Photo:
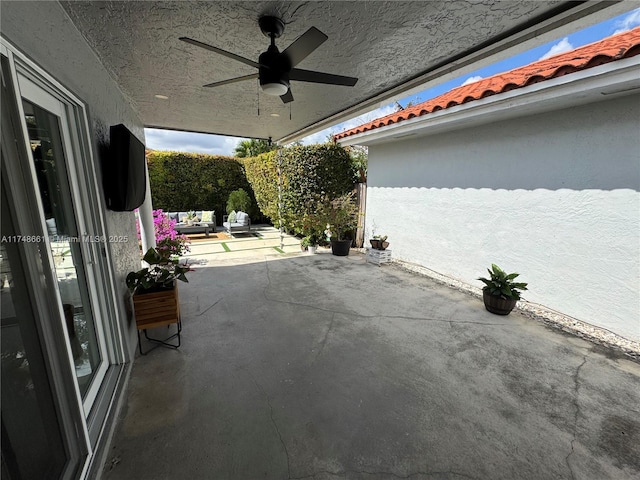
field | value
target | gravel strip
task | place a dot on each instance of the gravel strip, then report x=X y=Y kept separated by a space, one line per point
x=542 y=314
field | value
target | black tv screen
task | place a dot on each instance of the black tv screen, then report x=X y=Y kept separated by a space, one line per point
x=124 y=172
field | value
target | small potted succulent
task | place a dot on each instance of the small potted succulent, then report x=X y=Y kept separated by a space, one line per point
x=501 y=293
x=379 y=242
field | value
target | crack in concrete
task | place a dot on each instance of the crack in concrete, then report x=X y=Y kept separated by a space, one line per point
x=326 y=335
x=273 y=421
x=386 y=474
x=576 y=389
x=369 y=317
x=209 y=307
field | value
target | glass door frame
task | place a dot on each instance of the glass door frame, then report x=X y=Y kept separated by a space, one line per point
x=33 y=93
x=78 y=418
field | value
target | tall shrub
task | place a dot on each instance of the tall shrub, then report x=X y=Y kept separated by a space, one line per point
x=239 y=201
x=191 y=181
x=262 y=174
x=310 y=173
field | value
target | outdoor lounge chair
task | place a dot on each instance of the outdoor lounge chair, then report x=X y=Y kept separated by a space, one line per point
x=242 y=223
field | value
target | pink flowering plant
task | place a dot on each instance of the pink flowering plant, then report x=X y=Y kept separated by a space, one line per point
x=168 y=241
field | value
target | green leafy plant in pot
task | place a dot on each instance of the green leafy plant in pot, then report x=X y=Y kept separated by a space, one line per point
x=341 y=217
x=154 y=295
x=501 y=293
x=162 y=273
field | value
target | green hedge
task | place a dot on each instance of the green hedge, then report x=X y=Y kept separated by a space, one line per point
x=191 y=181
x=262 y=174
x=309 y=173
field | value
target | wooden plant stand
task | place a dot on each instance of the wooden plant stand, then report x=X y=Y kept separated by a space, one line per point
x=156 y=310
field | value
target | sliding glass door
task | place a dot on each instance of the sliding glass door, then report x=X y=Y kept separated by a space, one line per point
x=72 y=246
x=62 y=338
x=33 y=445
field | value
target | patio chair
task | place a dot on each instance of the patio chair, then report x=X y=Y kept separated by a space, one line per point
x=241 y=223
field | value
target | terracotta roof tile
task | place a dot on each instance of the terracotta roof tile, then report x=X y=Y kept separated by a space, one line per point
x=616 y=47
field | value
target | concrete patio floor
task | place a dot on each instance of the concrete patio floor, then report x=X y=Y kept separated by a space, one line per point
x=322 y=367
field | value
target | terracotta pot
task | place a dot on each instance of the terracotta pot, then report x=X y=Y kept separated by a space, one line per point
x=340 y=247
x=497 y=305
x=379 y=244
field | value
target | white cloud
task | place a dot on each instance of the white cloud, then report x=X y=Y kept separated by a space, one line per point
x=630 y=21
x=562 y=46
x=190 y=142
x=321 y=136
x=158 y=139
x=471 y=80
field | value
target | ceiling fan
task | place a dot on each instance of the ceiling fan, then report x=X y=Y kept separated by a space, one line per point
x=276 y=69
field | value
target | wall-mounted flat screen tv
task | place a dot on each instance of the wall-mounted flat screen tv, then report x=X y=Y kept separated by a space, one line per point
x=124 y=172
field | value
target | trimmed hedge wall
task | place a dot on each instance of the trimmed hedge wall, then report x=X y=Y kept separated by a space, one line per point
x=309 y=173
x=262 y=174
x=191 y=181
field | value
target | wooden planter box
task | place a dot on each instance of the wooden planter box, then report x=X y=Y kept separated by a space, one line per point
x=157 y=308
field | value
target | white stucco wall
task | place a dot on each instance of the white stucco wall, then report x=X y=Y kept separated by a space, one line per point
x=44 y=33
x=554 y=197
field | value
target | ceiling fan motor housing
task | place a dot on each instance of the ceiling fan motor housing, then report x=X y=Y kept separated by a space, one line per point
x=274 y=67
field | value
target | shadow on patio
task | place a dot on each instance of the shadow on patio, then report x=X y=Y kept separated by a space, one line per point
x=326 y=367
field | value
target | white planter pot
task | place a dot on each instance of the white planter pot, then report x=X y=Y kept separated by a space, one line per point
x=313 y=249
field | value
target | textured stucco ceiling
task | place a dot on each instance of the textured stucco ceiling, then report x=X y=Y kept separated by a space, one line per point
x=382 y=43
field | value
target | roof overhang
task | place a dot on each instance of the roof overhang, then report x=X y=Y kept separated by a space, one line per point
x=394 y=48
x=618 y=78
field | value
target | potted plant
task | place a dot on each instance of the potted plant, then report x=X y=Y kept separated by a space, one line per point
x=379 y=242
x=160 y=276
x=305 y=243
x=314 y=241
x=191 y=217
x=501 y=293
x=341 y=217
x=154 y=291
x=310 y=242
x=311 y=225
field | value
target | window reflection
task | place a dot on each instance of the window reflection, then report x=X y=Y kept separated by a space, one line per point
x=64 y=238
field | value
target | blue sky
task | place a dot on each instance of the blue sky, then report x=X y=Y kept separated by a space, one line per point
x=221 y=145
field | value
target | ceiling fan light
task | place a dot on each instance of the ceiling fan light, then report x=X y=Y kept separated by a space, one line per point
x=275 y=88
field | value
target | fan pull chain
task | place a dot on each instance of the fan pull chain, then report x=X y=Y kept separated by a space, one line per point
x=258 y=95
x=290 y=110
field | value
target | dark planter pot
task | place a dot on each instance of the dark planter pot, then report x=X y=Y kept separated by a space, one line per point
x=497 y=305
x=379 y=244
x=340 y=247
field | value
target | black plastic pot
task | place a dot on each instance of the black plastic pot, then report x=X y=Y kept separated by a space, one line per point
x=340 y=247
